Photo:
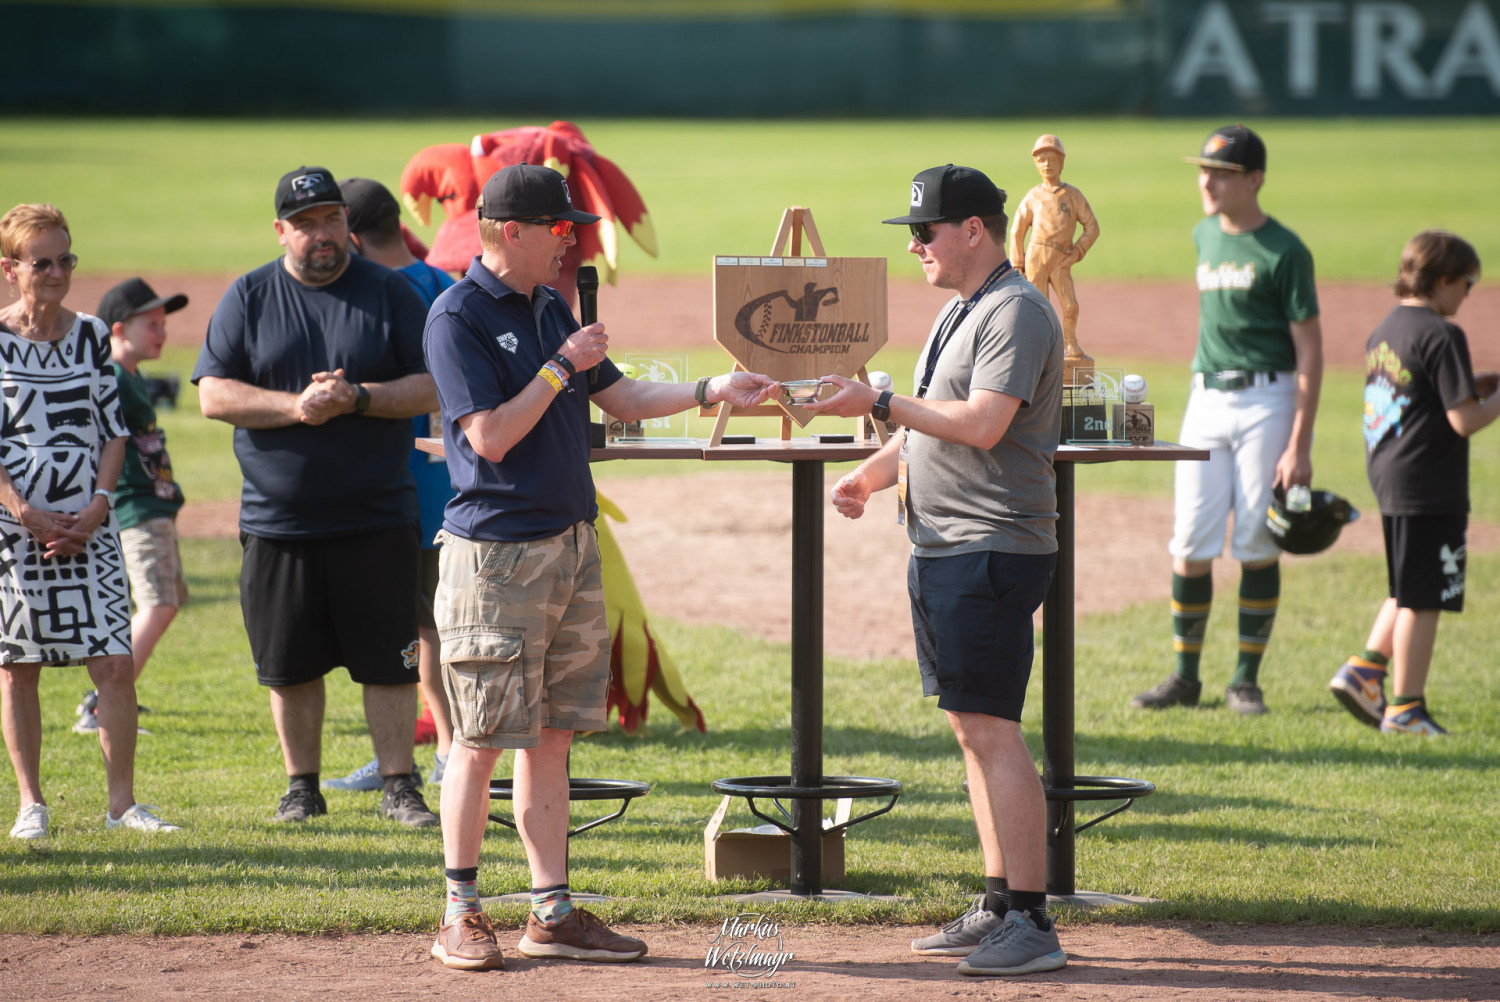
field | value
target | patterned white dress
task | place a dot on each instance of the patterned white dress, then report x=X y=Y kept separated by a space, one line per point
x=59 y=406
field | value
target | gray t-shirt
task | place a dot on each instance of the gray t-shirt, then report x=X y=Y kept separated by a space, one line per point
x=961 y=499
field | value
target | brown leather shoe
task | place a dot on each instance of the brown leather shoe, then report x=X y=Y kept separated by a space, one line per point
x=579 y=936
x=468 y=944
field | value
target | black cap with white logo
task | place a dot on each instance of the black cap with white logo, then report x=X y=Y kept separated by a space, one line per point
x=950 y=192
x=306 y=188
x=526 y=191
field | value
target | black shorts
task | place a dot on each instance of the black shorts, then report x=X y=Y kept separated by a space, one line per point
x=1425 y=558
x=971 y=614
x=427 y=582
x=311 y=605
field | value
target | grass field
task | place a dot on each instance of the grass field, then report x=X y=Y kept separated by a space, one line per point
x=1303 y=816
x=1299 y=817
x=161 y=195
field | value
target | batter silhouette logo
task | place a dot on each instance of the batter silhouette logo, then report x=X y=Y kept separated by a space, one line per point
x=916 y=194
x=790 y=324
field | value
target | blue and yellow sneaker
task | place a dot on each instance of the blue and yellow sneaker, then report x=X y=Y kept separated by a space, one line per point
x=1411 y=718
x=1360 y=686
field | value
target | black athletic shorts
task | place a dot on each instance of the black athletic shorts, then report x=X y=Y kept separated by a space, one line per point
x=971 y=614
x=311 y=605
x=1425 y=558
x=427 y=582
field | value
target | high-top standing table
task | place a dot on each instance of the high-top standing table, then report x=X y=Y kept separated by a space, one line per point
x=808 y=511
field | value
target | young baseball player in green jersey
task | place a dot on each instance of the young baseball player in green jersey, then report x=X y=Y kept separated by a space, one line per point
x=1256 y=377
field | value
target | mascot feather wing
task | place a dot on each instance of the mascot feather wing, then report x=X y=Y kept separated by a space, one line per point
x=637 y=663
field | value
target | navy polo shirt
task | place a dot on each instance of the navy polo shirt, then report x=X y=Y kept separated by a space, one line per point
x=484 y=343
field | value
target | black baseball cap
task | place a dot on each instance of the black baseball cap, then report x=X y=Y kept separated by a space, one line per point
x=306 y=188
x=372 y=207
x=134 y=296
x=950 y=192
x=1233 y=147
x=526 y=191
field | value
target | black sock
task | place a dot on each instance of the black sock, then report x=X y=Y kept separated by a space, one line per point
x=461 y=872
x=1033 y=903
x=996 y=895
x=302 y=781
x=400 y=781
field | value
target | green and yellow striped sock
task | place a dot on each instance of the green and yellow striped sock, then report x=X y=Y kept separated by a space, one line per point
x=1260 y=593
x=1192 y=598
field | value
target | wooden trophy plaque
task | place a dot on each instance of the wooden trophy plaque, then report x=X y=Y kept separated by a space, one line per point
x=793 y=316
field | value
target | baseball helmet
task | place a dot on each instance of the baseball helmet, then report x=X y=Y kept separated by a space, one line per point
x=1310 y=531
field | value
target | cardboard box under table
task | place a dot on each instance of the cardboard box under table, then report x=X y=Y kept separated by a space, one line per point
x=765 y=852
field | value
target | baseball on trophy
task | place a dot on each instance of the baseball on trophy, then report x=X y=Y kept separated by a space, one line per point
x=1133 y=389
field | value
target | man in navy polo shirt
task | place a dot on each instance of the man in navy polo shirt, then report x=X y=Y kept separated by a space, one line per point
x=520 y=603
x=316 y=359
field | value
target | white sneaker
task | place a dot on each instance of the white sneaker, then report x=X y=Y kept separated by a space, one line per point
x=139 y=817
x=31 y=822
x=439 y=763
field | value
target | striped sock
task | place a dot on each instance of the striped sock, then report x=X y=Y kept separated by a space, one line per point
x=463 y=893
x=1260 y=593
x=551 y=905
x=1191 y=600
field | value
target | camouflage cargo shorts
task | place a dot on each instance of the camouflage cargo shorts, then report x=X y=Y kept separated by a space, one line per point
x=154 y=564
x=525 y=643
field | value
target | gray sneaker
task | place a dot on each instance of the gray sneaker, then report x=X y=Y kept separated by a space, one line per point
x=962 y=936
x=1017 y=947
x=1245 y=698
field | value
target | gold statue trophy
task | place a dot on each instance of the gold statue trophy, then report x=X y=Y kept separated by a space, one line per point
x=1053 y=212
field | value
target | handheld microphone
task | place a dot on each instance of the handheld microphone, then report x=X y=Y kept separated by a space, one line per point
x=588 y=308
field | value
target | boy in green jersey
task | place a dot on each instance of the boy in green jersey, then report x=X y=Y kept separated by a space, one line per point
x=148 y=497
x=1256 y=377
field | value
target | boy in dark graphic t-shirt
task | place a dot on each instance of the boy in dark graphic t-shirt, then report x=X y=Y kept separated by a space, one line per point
x=1422 y=402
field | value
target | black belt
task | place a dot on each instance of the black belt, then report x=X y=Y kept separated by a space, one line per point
x=1235 y=379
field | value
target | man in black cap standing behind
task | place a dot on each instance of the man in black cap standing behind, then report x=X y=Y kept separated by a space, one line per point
x=316 y=359
x=978 y=496
x=520 y=600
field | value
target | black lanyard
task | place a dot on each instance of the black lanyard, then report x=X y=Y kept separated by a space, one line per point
x=944 y=336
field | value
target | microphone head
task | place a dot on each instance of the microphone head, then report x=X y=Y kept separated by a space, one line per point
x=588 y=278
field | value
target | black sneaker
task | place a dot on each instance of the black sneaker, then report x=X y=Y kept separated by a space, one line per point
x=406 y=805
x=1175 y=691
x=299 y=805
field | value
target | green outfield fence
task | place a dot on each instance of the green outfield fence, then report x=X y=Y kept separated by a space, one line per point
x=753 y=58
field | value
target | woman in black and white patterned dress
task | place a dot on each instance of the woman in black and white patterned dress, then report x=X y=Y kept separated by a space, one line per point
x=63 y=592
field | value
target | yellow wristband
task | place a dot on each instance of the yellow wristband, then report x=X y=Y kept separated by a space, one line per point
x=551 y=377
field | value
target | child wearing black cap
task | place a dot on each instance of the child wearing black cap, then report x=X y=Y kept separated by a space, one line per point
x=147 y=498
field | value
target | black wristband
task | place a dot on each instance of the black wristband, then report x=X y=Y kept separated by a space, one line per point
x=562 y=360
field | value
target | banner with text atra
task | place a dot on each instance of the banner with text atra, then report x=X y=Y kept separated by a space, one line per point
x=800 y=317
x=1320 y=57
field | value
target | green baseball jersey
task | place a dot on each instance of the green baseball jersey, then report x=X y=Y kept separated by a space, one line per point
x=147 y=488
x=1250 y=287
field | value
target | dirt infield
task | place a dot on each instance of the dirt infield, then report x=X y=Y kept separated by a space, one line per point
x=830 y=963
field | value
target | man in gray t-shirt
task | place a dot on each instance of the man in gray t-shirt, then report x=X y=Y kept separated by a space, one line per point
x=977 y=493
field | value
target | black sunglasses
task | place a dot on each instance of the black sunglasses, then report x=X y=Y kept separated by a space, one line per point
x=922 y=232
x=42 y=264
